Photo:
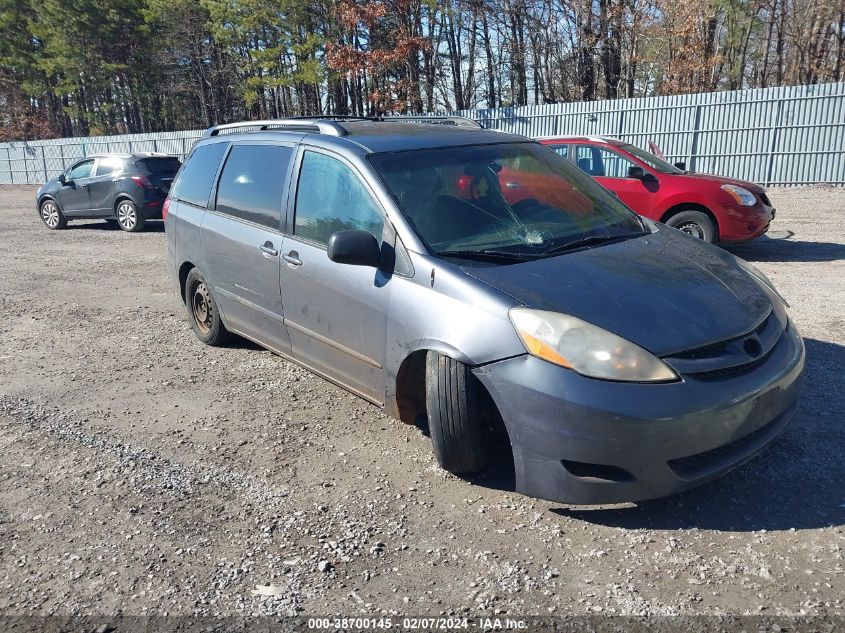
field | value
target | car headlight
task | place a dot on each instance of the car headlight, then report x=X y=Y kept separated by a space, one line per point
x=760 y=276
x=591 y=351
x=742 y=196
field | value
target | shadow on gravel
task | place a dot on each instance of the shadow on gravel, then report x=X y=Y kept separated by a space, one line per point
x=796 y=483
x=785 y=249
x=152 y=226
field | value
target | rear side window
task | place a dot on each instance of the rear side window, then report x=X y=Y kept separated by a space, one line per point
x=166 y=167
x=196 y=179
x=252 y=183
x=330 y=198
x=108 y=165
x=561 y=150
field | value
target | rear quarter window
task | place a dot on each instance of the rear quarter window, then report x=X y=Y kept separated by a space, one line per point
x=197 y=177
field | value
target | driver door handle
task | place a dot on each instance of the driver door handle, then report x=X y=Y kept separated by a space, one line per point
x=267 y=249
x=292 y=259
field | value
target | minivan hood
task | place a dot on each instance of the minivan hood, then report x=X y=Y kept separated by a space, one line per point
x=666 y=292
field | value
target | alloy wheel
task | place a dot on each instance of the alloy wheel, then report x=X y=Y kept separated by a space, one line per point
x=127 y=216
x=50 y=214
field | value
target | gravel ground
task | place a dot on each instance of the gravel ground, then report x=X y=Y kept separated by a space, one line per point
x=144 y=473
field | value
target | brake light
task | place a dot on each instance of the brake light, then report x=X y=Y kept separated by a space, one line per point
x=143 y=182
x=464 y=186
x=165 y=208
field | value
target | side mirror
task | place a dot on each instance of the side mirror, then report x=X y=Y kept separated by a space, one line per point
x=636 y=172
x=641 y=174
x=681 y=165
x=356 y=248
x=62 y=180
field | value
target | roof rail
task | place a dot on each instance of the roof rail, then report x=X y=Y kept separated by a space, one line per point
x=459 y=121
x=318 y=125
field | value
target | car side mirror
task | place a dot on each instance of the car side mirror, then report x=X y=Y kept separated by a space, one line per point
x=681 y=165
x=62 y=180
x=639 y=173
x=356 y=248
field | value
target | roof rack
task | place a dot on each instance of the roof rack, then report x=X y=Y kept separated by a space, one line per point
x=294 y=124
x=331 y=124
x=459 y=121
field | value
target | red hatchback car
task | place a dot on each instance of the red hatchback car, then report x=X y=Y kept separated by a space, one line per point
x=712 y=208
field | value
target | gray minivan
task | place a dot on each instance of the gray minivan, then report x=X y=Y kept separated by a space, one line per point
x=478 y=283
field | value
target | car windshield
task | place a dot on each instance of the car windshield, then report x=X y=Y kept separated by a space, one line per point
x=502 y=203
x=658 y=164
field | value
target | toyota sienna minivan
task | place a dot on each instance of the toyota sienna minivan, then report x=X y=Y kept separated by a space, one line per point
x=621 y=359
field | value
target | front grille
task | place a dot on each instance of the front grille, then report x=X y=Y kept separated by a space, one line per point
x=702 y=464
x=712 y=350
x=726 y=372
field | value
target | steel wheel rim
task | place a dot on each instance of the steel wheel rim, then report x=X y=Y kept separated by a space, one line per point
x=50 y=215
x=691 y=228
x=126 y=215
x=202 y=307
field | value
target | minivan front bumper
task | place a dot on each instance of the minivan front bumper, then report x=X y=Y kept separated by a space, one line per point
x=586 y=441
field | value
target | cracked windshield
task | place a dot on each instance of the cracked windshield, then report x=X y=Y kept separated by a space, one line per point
x=502 y=203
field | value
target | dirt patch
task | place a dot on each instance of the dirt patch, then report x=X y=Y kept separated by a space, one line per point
x=144 y=473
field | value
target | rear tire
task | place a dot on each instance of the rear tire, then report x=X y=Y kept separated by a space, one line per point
x=696 y=224
x=203 y=311
x=127 y=216
x=52 y=215
x=455 y=420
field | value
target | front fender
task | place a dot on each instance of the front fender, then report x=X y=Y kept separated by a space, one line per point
x=458 y=316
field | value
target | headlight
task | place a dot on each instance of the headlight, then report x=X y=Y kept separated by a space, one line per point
x=589 y=350
x=760 y=276
x=742 y=196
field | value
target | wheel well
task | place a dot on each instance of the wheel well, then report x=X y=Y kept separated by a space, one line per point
x=411 y=394
x=117 y=200
x=691 y=206
x=410 y=388
x=184 y=270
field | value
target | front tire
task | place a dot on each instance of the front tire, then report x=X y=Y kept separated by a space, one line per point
x=455 y=420
x=128 y=217
x=52 y=215
x=696 y=224
x=203 y=310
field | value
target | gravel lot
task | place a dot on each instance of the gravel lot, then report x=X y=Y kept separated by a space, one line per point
x=143 y=473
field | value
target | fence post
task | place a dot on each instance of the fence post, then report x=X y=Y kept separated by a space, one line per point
x=773 y=139
x=44 y=161
x=9 y=161
x=693 y=150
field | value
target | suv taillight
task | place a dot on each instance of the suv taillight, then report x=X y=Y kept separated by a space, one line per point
x=143 y=182
x=165 y=208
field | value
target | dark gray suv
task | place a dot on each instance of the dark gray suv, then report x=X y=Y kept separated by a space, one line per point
x=477 y=283
x=127 y=189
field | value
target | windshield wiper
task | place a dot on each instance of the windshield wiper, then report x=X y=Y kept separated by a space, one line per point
x=489 y=255
x=592 y=240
